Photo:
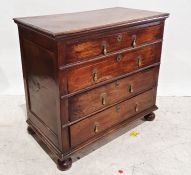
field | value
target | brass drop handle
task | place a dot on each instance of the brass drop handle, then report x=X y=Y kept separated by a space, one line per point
x=96 y=127
x=134 y=38
x=131 y=88
x=139 y=61
x=94 y=75
x=104 y=45
x=136 y=108
x=103 y=98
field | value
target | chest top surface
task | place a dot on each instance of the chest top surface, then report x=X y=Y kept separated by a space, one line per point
x=63 y=24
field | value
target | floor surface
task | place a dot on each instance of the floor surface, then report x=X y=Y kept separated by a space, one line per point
x=162 y=147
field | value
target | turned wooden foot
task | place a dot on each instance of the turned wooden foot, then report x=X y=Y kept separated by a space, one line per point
x=30 y=130
x=65 y=164
x=150 y=117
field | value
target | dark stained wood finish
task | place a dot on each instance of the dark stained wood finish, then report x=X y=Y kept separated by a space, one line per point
x=38 y=39
x=41 y=83
x=40 y=66
x=30 y=130
x=110 y=67
x=80 y=50
x=85 y=129
x=60 y=54
x=111 y=93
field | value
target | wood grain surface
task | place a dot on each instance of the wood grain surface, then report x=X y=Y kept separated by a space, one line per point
x=81 y=50
x=104 y=96
x=67 y=23
x=85 y=129
x=82 y=76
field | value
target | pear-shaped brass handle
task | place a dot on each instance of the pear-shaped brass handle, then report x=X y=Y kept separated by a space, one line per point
x=139 y=60
x=96 y=127
x=94 y=75
x=136 y=108
x=103 y=99
x=104 y=46
x=131 y=88
x=134 y=38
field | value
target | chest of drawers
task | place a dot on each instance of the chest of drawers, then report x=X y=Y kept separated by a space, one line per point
x=88 y=75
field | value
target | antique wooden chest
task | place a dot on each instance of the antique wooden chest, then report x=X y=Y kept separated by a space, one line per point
x=88 y=75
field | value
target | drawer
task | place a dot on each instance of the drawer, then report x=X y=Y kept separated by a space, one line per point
x=80 y=77
x=79 y=105
x=86 y=49
x=82 y=131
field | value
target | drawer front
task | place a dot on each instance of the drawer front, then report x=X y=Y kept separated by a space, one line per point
x=80 y=77
x=82 y=131
x=81 y=50
x=79 y=105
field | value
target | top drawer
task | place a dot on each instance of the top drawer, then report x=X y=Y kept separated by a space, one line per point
x=78 y=50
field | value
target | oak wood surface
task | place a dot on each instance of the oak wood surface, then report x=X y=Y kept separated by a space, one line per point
x=85 y=129
x=110 y=67
x=81 y=50
x=68 y=23
x=106 y=95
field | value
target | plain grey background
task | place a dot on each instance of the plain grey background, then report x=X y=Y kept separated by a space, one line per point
x=175 y=70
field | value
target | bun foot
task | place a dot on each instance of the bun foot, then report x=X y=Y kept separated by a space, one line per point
x=150 y=117
x=30 y=130
x=65 y=164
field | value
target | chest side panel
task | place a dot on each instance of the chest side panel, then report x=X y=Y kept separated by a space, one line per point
x=40 y=64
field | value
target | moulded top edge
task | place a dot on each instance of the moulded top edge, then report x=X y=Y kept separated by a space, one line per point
x=70 y=23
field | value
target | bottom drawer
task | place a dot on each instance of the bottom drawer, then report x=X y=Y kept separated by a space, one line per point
x=96 y=124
